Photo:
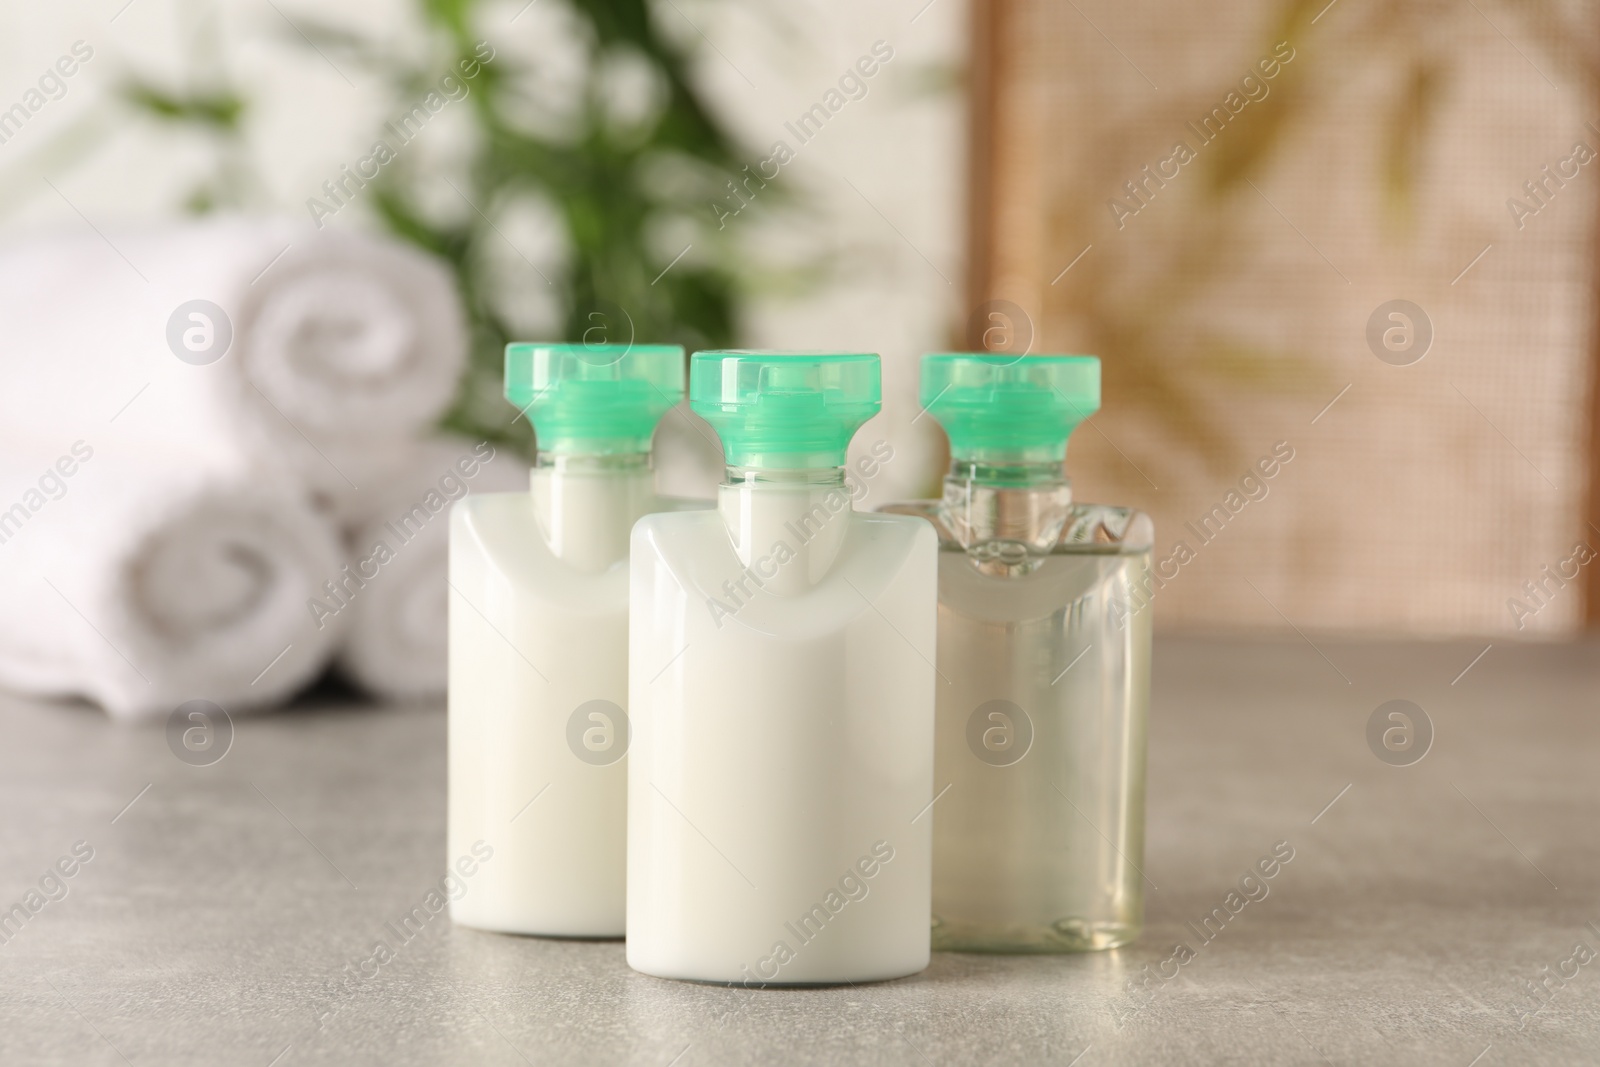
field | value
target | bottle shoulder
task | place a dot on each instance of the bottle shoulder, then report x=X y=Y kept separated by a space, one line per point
x=696 y=546
x=1085 y=529
x=513 y=508
x=1128 y=529
x=496 y=543
x=519 y=502
x=1099 y=551
x=703 y=521
x=884 y=562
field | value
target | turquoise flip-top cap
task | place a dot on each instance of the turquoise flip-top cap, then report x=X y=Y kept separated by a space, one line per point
x=590 y=399
x=785 y=410
x=1005 y=409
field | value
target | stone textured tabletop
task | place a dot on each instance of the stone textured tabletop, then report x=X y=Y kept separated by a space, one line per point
x=1446 y=912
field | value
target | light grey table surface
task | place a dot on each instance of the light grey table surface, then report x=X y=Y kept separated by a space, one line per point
x=217 y=917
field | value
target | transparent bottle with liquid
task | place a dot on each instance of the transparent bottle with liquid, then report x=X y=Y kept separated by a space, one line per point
x=1044 y=664
x=538 y=645
x=782 y=698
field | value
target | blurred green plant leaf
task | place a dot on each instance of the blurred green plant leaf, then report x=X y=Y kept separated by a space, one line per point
x=220 y=110
x=1407 y=129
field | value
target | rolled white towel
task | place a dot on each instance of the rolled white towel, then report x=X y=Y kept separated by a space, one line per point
x=326 y=341
x=393 y=590
x=144 y=579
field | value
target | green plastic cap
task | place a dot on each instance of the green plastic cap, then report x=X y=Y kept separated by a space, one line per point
x=1001 y=409
x=594 y=399
x=783 y=411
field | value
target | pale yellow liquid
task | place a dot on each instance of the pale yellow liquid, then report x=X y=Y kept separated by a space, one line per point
x=1044 y=664
x=1041 y=854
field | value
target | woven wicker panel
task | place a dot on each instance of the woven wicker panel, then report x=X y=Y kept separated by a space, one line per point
x=1232 y=306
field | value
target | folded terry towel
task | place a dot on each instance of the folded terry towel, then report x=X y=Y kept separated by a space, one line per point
x=393 y=591
x=142 y=579
x=327 y=341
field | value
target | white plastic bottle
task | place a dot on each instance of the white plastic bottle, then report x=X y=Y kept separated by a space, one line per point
x=538 y=687
x=781 y=658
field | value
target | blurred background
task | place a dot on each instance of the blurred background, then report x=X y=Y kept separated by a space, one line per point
x=260 y=259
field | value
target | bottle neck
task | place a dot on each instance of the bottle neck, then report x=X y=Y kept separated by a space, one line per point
x=1008 y=514
x=1008 y=475
x=586 y=505
x=786 y=526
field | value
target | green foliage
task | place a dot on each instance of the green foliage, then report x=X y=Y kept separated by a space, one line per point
x=596 y=172
x=216 y=112
x=221 y=110
x=616 y=184
x=1408 y=127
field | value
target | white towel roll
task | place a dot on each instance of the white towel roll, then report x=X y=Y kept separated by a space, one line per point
x=335 y=341
x=142 y=579
x=393 y=590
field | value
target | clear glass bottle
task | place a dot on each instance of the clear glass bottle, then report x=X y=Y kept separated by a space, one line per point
x=782 y=697
x=538 y=635
x=1044 y=664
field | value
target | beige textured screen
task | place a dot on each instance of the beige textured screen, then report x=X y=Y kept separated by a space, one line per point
x=1368 y=157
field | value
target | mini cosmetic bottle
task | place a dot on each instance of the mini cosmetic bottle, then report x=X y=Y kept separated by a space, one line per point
x=538 y=689
x=1039 y=829
x=781 y=681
